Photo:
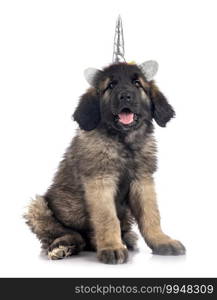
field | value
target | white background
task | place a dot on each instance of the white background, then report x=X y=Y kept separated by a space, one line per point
x=44 y=47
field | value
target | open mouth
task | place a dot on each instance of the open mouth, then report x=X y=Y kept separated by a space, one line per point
x=126 y=116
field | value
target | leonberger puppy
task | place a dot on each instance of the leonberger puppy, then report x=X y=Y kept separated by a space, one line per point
x=105 y=181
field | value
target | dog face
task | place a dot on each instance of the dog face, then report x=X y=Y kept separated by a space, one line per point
x=125 y=104
x=122 y=99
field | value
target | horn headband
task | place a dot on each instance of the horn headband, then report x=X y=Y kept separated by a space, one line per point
x=149 y=68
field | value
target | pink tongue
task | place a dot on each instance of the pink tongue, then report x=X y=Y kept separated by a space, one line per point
x=125 y=118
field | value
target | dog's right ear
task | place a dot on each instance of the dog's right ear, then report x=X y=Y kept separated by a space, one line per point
x=162 y=110
x=87 y=113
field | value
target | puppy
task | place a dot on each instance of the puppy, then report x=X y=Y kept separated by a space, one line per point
x=104 y=183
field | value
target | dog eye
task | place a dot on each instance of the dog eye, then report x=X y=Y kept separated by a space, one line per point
x=111 y=85
x=137 y=83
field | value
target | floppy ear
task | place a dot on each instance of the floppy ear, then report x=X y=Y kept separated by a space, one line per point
x=162 y=110
x=87 y=113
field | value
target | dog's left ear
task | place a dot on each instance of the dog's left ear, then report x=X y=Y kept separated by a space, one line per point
x=87 y=113
x=161 y=109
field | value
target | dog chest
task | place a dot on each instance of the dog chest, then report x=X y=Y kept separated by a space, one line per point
x=127 y=172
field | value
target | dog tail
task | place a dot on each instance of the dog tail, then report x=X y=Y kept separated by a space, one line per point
x=39 y=217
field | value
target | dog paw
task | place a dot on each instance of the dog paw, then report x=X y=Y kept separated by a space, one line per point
x=171 y=248
x=59 y=252
x=130 y=238
x=113 y=256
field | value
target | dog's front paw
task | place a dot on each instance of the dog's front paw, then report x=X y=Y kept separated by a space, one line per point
x=172 y=247
x=113 y=256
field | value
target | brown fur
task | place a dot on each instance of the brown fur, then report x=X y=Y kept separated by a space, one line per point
x=105 y=181
x=145 y=209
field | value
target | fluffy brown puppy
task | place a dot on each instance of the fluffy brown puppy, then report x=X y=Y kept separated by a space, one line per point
x=104 y=183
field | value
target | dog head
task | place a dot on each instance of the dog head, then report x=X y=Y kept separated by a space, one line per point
x=122 y=99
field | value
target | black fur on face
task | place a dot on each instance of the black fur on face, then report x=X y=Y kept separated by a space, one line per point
x=122 y=100
x=125 y=105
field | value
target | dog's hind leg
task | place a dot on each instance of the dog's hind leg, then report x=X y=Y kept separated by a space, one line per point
x=129 y=237
x=59 y=241
x=66 y=245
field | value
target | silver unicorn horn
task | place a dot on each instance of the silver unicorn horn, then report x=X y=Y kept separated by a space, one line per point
x=148 y=68
x=118 y=52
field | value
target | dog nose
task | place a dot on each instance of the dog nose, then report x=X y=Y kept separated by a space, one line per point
x=125 y=96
